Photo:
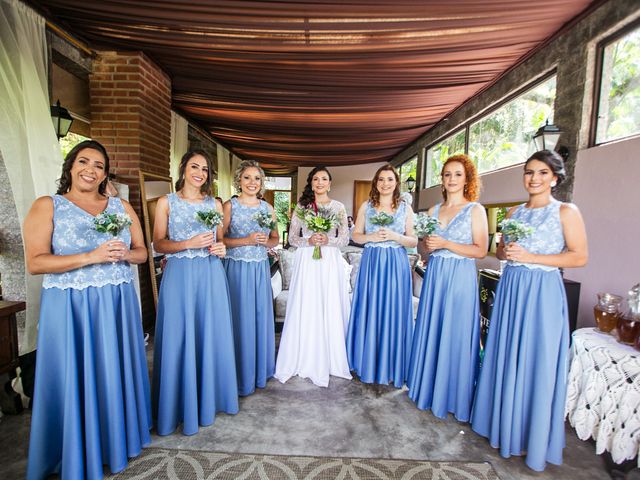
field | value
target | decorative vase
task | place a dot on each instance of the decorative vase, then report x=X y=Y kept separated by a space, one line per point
x=607 y=311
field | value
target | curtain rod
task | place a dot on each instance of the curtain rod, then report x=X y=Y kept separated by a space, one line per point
x=69 y=38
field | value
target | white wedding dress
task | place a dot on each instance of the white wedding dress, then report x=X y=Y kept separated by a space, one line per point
x=313 y=338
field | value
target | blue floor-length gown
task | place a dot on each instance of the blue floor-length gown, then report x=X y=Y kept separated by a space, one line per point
x=194 y=368
x=446 y=340
x=91 y=400
x=249 y=277
x=381 y=320
x=519 y=401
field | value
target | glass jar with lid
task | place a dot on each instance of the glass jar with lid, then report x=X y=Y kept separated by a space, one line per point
x=607 y=311
x=629 y=323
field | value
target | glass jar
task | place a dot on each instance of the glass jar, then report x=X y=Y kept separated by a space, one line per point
x=607 y=311
x=629 y=323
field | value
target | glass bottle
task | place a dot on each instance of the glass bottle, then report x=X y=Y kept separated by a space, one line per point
x=629 y=323
x=607 y=311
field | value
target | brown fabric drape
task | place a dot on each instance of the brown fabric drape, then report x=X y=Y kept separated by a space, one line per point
x=320 y=82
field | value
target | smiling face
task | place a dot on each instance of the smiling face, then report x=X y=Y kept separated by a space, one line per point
x=320 y=182
x=250 y=181
x=454 y=177
x=386 y=182
x=196 y=172
x=538 y=177
x=88 y=170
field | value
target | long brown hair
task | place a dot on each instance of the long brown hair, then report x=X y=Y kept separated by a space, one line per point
x=205 y=189
x=374 y=194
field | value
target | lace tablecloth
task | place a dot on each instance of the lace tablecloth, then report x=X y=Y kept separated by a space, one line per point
x=603 y=395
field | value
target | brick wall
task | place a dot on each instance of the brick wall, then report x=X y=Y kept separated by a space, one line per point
x=131 y=117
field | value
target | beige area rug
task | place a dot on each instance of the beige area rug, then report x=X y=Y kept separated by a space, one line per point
x=164 y=464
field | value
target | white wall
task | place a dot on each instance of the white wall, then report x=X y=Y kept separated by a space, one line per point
x=607 y=191
x=342 y=183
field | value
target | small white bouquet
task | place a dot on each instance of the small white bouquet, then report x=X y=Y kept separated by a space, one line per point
x=425 y=225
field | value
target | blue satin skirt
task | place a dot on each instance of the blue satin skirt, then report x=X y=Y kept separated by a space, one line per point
x=194 y=367
x=253 y=324
x=381 y=321
x=446 y=341
x=91 y=400
x=520 y=397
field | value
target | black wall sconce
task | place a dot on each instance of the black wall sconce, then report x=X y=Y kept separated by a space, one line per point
x=61 y=119
x=410 y=183
x=546 y=138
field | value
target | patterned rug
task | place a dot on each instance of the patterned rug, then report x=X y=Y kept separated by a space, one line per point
x=164 y=464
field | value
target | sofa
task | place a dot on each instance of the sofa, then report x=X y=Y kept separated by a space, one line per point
x=352 y=255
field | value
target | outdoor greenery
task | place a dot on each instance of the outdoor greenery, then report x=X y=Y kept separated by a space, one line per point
x=619 y=108
x=408 y=169
x=69 y=141
x=282 y=206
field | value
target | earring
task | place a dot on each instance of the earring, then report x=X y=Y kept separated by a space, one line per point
x=465 y=189
x=554 y=183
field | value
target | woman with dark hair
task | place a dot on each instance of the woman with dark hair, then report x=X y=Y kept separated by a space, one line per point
x=247 y=237
x=91 y=400
x=194 y=368
x=313 y=339
x=381 y=322
x=444 y=354
x=520 y=397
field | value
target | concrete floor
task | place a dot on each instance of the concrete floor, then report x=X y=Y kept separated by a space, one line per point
x=347 y=419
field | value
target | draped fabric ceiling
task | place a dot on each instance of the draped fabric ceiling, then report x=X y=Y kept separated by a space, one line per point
x=325 y=81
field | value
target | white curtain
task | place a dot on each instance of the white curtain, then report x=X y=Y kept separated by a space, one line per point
x=179 y=142
x=225 y=173
x=28 y=142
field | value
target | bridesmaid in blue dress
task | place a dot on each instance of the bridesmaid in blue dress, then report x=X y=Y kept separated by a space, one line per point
x=444 y=356
x=381 y=321
x=194 y=368
x=249 y=276
x=91 y=400
x=520 y=397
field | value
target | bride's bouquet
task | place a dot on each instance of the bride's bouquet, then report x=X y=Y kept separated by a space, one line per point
x=320 y=221
x=210 y=219
x=425 y=225
x=514 y=230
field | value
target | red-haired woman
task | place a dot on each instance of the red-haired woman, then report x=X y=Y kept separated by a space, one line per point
x=381 y=322
x=444 y=356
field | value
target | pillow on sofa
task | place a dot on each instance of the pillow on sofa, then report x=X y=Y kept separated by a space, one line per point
x=354 y=260
x=286 y=258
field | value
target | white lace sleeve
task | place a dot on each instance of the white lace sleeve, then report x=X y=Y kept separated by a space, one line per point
x=342 y=239
x=295 y=238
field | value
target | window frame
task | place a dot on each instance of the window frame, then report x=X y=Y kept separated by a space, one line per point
x=598 y=77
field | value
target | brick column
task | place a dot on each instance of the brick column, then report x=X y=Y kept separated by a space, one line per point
x=131 y=117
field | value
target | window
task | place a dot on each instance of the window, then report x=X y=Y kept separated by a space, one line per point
x=619 y=93
x=278 y=194
x=407 y=169
x=504 y=137
x=438 y=153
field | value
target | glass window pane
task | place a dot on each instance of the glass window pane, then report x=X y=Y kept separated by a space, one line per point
x=407 y=169
x=504 y=137
x=277 y=183
x=436 y=156
x=619 y=108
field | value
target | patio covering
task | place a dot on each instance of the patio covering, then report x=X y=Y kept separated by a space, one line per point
x=325 y=81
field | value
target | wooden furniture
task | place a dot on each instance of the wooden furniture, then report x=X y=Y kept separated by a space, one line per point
x=9 y=335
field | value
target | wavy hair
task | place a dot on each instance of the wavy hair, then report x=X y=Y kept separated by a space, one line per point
x=374 y=194
x=308 y=197
x=64 y=182
x=553 y=160
x=205 y=189
x=472 y=188
x=240 y=170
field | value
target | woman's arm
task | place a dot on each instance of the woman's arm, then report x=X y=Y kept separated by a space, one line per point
x=342 y=239
x=161 y=242
x=479 y=234
x=575 y=235
x=358 y=234
x=38 y=230
x=500 y=249
x=274 y=236
x=137 y=252
x=408 y=240
x=295 y=237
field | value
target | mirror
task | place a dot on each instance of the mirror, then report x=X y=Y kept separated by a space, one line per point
x=152 y=187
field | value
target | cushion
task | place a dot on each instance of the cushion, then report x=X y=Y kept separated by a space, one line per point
x=286 y=266
x=354 y=260
x=281 y=303
x=413 y=260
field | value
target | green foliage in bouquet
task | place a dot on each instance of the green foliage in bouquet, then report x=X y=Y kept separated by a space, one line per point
x=112 y=223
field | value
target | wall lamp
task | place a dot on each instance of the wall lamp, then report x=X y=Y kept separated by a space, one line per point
x=410 y=183
x=61 y=118
x=546 y=138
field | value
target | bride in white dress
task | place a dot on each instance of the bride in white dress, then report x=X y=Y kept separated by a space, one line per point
x=313 y=339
